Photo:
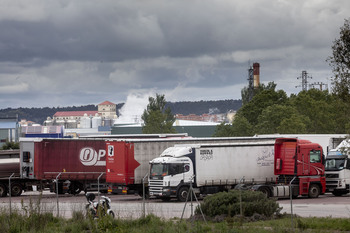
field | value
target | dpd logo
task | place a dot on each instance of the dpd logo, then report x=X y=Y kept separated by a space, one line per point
x=90 y=157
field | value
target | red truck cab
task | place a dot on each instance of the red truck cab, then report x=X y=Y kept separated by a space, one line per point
x=303 y=160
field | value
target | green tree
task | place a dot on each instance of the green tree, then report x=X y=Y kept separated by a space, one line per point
x=261 y=87
x=340 y=62
x=265 y=98
x=157 y=118
x=242 y=127
x=223 y=130
x=295 y=124
x=271 y=117
x=239 y=128
x=10 y=145
x=318 y=106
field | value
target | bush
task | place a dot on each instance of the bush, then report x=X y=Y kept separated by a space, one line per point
x=228 y=203
x=10 y=145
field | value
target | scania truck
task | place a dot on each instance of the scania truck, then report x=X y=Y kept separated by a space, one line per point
x=268 y=166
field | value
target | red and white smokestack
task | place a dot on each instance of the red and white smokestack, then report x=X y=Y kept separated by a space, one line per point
x=256 y=73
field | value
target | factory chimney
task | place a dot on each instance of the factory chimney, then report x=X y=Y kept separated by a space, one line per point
x=256 y=73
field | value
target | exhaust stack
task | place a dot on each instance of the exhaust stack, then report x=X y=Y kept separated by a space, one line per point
x=256 y=73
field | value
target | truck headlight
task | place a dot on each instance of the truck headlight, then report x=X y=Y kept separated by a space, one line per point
x=166 y=190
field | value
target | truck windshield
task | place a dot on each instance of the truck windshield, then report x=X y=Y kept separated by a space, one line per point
x=315 y=156
x=159 y=169
x=334 y=164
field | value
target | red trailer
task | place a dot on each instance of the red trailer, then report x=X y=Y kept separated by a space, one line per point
x=78 y=163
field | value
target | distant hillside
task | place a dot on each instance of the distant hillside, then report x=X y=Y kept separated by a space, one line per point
x=39 y=115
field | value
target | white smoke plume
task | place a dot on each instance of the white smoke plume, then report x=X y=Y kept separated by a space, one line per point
x=133 y=108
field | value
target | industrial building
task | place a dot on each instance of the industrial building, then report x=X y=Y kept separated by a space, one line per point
x=192 y=128
x=104 y=116
x=9 y=129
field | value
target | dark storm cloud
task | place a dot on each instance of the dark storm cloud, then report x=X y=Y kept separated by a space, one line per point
x=74 y=52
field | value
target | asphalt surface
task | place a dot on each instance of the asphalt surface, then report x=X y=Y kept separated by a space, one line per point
x=133 y=206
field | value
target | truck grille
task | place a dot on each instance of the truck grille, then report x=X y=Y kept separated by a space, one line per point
x=155 y=187
x=332 y=176
x=331 y=184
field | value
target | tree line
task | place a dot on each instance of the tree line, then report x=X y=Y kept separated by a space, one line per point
x=39 y=115
x=271 y=111
x=313 y=111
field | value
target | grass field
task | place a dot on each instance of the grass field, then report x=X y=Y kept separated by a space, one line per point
x=46 y=222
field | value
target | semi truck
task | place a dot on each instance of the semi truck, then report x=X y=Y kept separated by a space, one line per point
x=80 y=163
x=9 y=164
x=268 y=166
x=338 y=169
x=127 y=160
x=76 y=164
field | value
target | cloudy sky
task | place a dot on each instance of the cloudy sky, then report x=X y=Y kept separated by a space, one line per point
x=64 y=53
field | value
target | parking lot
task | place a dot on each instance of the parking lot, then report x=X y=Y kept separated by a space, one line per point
x=133 y=206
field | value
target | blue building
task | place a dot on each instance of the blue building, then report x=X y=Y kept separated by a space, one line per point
x=9 y=129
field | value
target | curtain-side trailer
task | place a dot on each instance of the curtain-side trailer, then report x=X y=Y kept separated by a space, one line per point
x=77 y=163
x=212 y=168
x=127 y=160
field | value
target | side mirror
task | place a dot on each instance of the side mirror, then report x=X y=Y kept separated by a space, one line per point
x=348 y=164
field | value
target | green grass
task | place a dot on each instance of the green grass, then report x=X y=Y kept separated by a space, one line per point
x=47 y=222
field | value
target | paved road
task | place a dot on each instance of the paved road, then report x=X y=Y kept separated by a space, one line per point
x=325 y=206
x=131 y=206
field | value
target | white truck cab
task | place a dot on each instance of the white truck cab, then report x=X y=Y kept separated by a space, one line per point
x=337 y=170
x=169 y=172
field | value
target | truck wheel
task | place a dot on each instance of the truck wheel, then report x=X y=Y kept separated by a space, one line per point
x=314 y=191
x=182 y=194
x=3 y=190
x=265 y=191
x=338 y=193
x=16 y=189
x=75 y=188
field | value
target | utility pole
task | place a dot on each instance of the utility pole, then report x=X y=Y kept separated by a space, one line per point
x=304 y=81
x=320 y=84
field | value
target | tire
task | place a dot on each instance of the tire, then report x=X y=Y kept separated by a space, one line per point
x=111 y=213
x=265 y=191
x=16 y=189
x=314 y=191
x=339 y=193
x=75 y=188
x=182 y=194
x=3 y=190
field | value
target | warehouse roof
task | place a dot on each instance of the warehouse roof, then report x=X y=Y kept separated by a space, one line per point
x=74 y=113
x=107 y=103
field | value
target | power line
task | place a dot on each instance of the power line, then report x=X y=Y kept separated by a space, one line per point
x=304 y=80
x=320 y=84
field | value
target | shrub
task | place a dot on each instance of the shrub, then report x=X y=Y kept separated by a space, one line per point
x=228 y=203
x=10 y=145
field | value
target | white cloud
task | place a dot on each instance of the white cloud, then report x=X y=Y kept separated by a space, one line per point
x=14 y=88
